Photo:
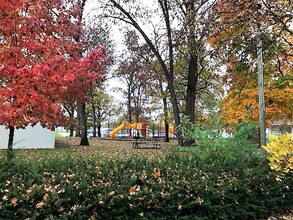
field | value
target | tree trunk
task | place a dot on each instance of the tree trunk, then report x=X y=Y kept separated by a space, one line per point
x=191 y=88
x=71 y=128
x=175 y=111
x=99 y=129
x=129 y=105
x=167 y=138
x=169 y=74
x=10 y=142
x=192 y=76
x=165 y=106
x=83 y=122
x=129 y=108
x=191 y=93
x=192 y=62
x=81 y=114
x=94 y=116
x=78 y=132
x=95 y=127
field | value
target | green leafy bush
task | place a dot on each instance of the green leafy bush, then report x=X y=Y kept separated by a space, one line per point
x=190 y=131
x=235 y=151
x=246 y=133
x=181 y=185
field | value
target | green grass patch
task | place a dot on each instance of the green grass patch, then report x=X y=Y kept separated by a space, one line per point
x=58 y=134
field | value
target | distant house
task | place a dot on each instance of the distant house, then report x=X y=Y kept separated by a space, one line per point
x=28 y=138
x=281 y=127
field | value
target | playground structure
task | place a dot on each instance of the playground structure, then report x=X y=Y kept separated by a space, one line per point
x=126 y=125
x=142 y=128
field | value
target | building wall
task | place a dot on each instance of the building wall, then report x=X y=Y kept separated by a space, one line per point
x=30 y=137
x=280 y=129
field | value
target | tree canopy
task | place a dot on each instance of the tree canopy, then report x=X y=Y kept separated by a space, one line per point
x=40 y=63
x=235 y=40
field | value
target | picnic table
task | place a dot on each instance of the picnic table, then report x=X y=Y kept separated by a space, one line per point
x=138 y=143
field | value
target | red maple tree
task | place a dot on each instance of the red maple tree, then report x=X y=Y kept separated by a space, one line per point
x=40 y=64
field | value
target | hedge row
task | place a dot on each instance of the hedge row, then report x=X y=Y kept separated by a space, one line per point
x=183 y=185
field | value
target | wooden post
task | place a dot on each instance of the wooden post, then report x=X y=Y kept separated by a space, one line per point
x=262 y=118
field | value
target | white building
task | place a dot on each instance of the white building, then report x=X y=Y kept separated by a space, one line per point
x=280 y=127
x=28 y=138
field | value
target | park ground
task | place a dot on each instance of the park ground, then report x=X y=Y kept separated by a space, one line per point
x=113 y=148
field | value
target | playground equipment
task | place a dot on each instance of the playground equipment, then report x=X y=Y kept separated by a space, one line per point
x=126 y=125
x=144 y=127
x=171 y=130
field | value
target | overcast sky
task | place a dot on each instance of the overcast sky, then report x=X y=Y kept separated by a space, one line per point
x=91 y=8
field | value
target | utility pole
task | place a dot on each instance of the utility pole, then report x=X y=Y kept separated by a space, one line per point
x=262 y=117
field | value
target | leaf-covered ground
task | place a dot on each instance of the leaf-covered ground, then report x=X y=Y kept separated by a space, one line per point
x=103 y=148
x=111 y=148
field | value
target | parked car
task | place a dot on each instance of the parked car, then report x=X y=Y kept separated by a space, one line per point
x=90 y=134
x=122 y=133
x=106 y=133
x=156 y=134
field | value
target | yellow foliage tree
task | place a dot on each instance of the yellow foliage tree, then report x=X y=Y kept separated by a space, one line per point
x=235 y=39
x=280 y=154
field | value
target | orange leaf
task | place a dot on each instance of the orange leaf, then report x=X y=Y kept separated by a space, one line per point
x=40 y=205
x=157 y=172
x=13 y=201
x=132 y=189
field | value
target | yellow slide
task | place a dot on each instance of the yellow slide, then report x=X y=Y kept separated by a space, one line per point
x=126 y=125
x=117 y=129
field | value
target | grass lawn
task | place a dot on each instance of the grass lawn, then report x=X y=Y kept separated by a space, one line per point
x=111 y=180
x=99 y=149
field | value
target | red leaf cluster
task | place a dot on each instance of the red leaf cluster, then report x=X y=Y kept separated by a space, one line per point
x=40 y=64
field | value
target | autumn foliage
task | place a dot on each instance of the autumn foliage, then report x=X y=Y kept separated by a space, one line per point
x=244 y=105
x=40 y=64
x=235 y=40
x=280 y=155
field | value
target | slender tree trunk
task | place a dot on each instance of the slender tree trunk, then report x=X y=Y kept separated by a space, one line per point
x=129 y=108
x=71 y=128
x=192 y=76
x=94 y=116
x=191 y=93
x=175 y=111
x=192 y=62
x=169 y=74
x=167 y=138
x=191 y=88
x=81 y=106
x=165 y=106
x=129 y=105
x=137 y=118
x=94 y=129
x=78 y=132
x=83 y=119
x=94 y=126
x=99 y=129
x=10 y=143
